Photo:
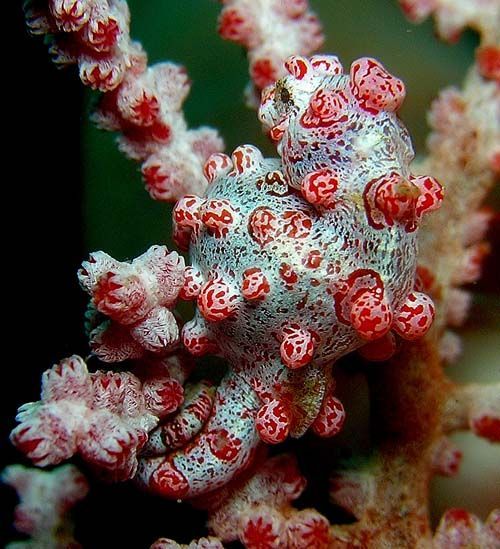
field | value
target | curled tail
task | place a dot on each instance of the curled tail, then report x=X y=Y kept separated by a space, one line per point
x=223 y=448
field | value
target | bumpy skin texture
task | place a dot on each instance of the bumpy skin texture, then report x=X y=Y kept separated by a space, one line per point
x=296 y=263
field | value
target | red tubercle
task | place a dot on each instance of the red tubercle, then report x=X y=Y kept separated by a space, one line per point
x=391 y=198
x=488 y=60
x=223 y=444
x=327 y=104
x=197 y=340
x=346 y=291
x=313 y=259
x=218 y=164
x=319 y=187
x=298 y=66
x=273 y=421
x=374 y=88
x=168 y=481
x=330 y=418
x=297 y=346
x=414 y=319
x=277 y=131
x=193 y=281
x=263 y=226
x=255 y=285
x=217 y=300
x=327 y=63
x=245 y=157
x=288 y=275
x=186 y=212
x=431 y=194
x=371 y=315
x=296 y=224
x=218 y=216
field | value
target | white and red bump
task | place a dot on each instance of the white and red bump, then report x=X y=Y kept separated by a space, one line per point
x=273 y=421
x=414 y=318
x=193 y=281
x=297 y=347
x=319 y=187
x=330 y=419
x=217 y=300
x=255 y=285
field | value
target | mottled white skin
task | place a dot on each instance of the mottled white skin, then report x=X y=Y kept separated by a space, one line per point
x=255 y=215
x=250 y=339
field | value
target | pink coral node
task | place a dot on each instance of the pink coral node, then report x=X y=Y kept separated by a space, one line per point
x=102 y=416
x=137 y=298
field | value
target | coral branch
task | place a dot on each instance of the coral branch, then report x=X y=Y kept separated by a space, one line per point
x=45 y=501
x=102 y=416
x=271 y=31
x=137 y=299
x=475 y=407
x=142 y=103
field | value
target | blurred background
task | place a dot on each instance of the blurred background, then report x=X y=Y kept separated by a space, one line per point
x=73 y=193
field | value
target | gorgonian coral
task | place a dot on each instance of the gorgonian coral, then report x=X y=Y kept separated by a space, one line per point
x=294 y=262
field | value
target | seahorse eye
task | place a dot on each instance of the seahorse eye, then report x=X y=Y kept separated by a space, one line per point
x=285 y=95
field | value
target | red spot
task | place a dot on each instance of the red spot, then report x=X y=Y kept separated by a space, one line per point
x=263 y=72
x=313 y=259
x=217 y=300
x=319 y=187
x=296 y=224
x=273 y=421
x=330 y=418
x=374 y=88
x=218 y=216
x=217 y=164
x=255 y=285
x=488 y=59
x=297 y=347
x=168 y=481
x=223 y=445
x=487 y=426
x=288 y=275
x=263 y=226
x=415 y=317
x=297 y=66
